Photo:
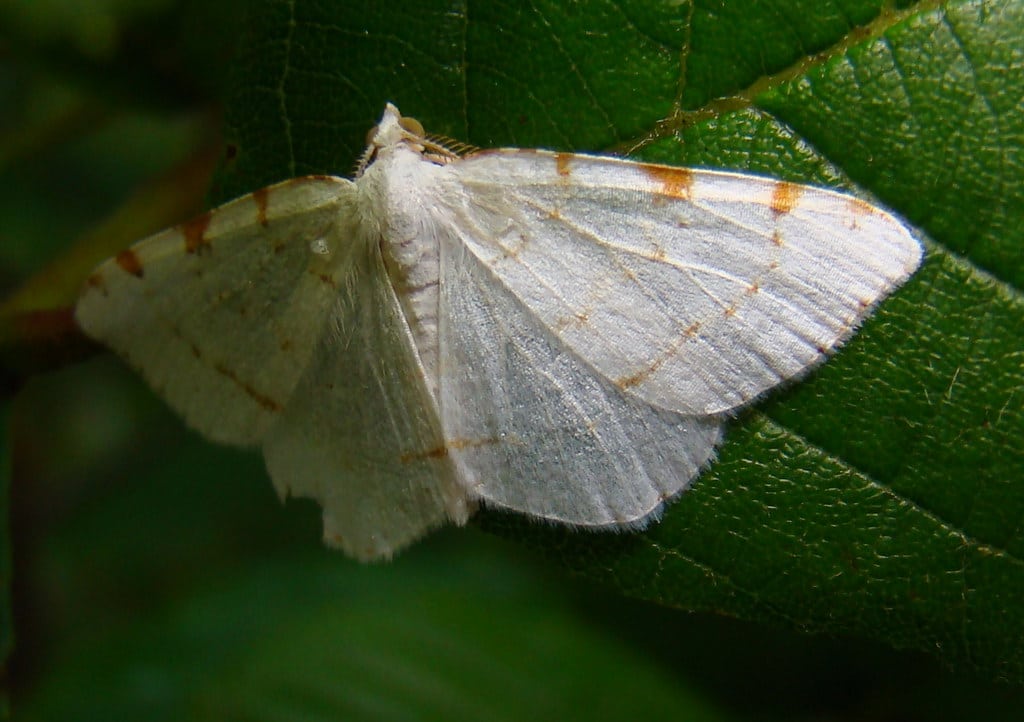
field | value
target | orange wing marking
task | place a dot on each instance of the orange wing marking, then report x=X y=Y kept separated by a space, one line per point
x=261 y=199
x=195 y=234
x=562 y=161
x=785 y=196
x=858 y=209
x=672 y=182
x=642 y=375
x=95 y=280
x=260 y=398
x=439 y=452
x=129 y=262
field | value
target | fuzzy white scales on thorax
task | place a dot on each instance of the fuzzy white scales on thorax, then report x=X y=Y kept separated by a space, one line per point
x=397 y=188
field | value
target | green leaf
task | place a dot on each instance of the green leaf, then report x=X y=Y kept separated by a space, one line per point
x=879 y=498
x=202 y=618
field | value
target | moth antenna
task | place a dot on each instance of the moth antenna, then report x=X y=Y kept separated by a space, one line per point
x=447 y=148
x=364 y=160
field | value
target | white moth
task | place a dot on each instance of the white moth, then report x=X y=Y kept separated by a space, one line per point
x=561 y=335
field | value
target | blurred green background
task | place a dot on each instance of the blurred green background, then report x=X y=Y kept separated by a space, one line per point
x=876 y=507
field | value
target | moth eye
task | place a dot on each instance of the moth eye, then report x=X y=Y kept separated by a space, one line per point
x=371 y=134
x=411 y=125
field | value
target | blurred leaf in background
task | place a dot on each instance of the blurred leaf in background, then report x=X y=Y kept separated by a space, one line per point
x=879 y=500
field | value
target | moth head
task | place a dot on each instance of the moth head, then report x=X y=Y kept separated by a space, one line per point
x=394 y=129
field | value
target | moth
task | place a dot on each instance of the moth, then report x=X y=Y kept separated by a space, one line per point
x=557 y=334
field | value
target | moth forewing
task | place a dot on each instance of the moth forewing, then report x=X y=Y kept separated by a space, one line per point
x=222 y=313
x=694 y=290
